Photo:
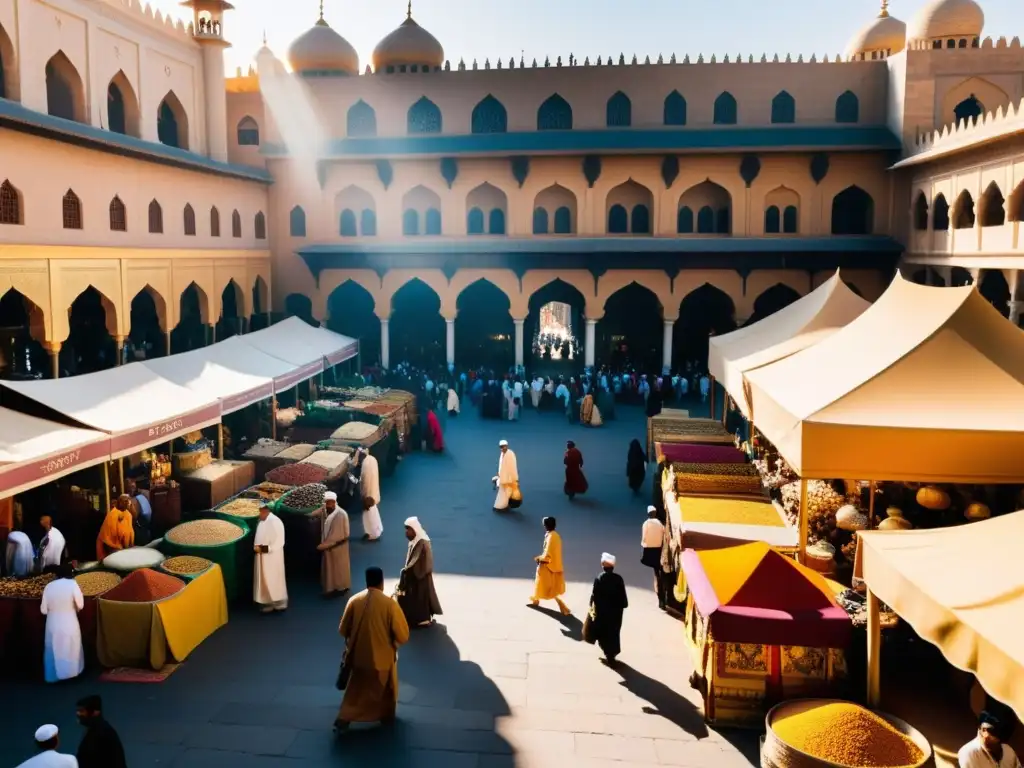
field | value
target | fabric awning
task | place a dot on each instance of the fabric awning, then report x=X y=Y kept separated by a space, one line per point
x=803 y=323
x=134 y=405
x=962 y=589
x=35 y=451
x=230 y=371
x=335 y=347
x=288 y=341
x=926 y=385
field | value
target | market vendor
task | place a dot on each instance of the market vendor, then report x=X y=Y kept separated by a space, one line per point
x=19 y=560
x=369 y=475
x=52 y=547
x=118 y=529
x=987 y=749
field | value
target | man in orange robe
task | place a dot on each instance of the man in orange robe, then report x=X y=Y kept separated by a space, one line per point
x=117 y=531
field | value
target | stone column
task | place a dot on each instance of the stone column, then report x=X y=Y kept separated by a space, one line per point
x=588 y=354
x=167 y=347
x=520 y=355
x=53 y=350
x=385 y=345
x=449 y=340
x=666 y=347
x=119 y=340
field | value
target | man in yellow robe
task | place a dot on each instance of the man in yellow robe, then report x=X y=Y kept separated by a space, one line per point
x=118 y=530
x=373 y=626
x=549 y=583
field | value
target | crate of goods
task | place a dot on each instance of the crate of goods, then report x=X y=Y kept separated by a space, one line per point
x=263 y=455
x=186 y=567
x=244 y=475
x=132 y=559
x=711 y=468
x=357 y=433
x=267 y=491
x=692 y=431
x=222 y=541
x=196 y=456
x=297 y=474
x=696 y=509
x=296 y=452
x=335 y=462
x=127 y=617
x=207 y=487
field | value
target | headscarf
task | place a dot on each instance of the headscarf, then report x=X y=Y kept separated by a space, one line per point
x=417 y=528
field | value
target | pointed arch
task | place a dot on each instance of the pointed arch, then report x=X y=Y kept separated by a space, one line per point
x=10 y=82
x=297 y=222
x=259 y=225
x=421 y=205
x=214 y=222
x=361 y=121
x=484 y=329
x=853 y=212
x=619 y=111
x=786 y=205
x=350 y=312
x=156 y=218
x=713 y=205
x=684 y=220
x=489 y=116
x=248 y=132
x=968 y=110
x=93 y=300
x=993 y=286
x=725 y=109
x=189 y=216
x=65 y=92
x=540 y=221
x=122 y=106
x=1016 y=207
x=783 y=108
x=993 y=206
x=704 y=311
x=920 y=212
x=417 y=330
x=148 y=305
x=554 y=114
x=194 y=303
x=628 y=209
x=10 y=204
x=558 y=205
x=347 y=225
x=172 y=122
x=772 y=220
x=963 y=211
x=236 y=223
x=260 y=296
x=675 y=109
x=847 y=108
x=940 y=218
x=487 y=207
x=72 y=210
x=424 y=117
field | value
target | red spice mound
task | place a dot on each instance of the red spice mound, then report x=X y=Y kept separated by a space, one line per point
x=297 y=474
x=144 y=586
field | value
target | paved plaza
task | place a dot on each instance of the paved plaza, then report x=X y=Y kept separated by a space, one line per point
x=495 y=684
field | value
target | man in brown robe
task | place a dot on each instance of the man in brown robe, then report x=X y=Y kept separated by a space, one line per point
x=335 y=567
x=373 y=627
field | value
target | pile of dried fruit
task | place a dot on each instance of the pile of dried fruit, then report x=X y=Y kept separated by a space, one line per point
x=145 y=586
x=186 y=564
x=307 y=497
x=268 y=491
x=242 y=508
x=204 y=533
x=31 y=587
x=297 y=474
x=96 y=582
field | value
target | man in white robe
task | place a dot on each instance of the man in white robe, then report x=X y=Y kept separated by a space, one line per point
x=20 y=557
x=507 y=478
x=369 y=476
x=63 y=654
x=453 y=402
x=269 y=588
x=52 y=546
x=47 y=742
x=535 y=391
x=373 y=528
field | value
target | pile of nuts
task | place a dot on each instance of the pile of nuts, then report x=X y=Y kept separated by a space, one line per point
x=268 y=491
x=297 y=474
x=306 y=497
x=204 y=533
x=96 y=582
x=186 y=564
x=242 y=508
x=31 y=587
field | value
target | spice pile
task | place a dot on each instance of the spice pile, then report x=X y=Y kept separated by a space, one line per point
x=849 y=735
x=96 y=582
x=333 y=461
x=730 y=511
x=186 y=564
x=145 y=586
x=309 y=496
x=265 y=449
x=297 y=474
x=132 y=559
x=242 y=508
x=296 y=452
x=714 y=485
x=31 y=587
x=206 y=533
x=704 y=468
x=268 y=491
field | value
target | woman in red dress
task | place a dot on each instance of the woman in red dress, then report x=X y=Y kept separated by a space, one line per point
x=434 y=437
x=575 y=481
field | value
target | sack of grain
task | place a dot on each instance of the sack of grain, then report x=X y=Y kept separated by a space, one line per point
x=296 y=452
x=334 y=462
x=355 y=431
x=128 y=560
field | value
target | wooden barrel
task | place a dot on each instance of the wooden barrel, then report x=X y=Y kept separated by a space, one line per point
x=775 y=753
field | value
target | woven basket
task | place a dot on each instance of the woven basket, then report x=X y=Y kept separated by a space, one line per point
x=190 y=462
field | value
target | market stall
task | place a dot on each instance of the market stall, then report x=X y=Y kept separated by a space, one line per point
x=290 y=341
x=760 y=629
x=224 y=541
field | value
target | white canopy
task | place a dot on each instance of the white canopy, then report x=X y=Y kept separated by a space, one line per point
x=803 y=323
x=335 y=347
x=290 y=341
x=35 y=451
x=134 y=405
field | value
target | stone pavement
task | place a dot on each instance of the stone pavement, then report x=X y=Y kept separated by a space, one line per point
x=495 y=684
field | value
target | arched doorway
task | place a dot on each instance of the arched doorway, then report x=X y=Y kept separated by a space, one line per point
x=631 y=331
x=704 y=312
x=484 y=332
x=260 y=305
x=996 y=290
x=771 y=300
x=21 y=355
x=959 y=277
x=301 y=306
x=89 y=346
x=416 y=330
x=146 y=338
x=193 y=311
x=350 y=313
x=553 y=307
x=231 y=304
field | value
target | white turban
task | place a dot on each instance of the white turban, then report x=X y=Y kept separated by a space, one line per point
x=45 y=732
x=330 y=496
x=651 y=508
x=417 y=528
x=607 y=558
x=503 y=443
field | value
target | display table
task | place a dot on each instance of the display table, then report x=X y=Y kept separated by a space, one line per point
x=149 y=634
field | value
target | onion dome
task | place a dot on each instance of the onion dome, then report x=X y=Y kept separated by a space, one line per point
x=884 y=36
x=322 y=50
x=408 y=46
x=948 y=20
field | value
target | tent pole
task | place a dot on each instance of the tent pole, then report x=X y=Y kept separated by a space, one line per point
x=273 y=418
x=874 y=652
x=804 y=527
x=106 y=484
x=725 y=409
x=120 y=474
x=711 y=412
x=871 y=505
x=220 y=441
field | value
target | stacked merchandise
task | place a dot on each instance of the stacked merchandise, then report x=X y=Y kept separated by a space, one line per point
x=218 y=481
x=392 y=407
x=264 y=455
x=226 y=542
x=266 y=491
x=197 y=453
x=335 y=462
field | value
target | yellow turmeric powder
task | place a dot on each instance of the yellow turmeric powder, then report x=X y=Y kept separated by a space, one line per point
x=847 y=734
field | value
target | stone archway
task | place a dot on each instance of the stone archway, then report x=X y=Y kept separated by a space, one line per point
x=539 y=347
x=232 y=304
x=996 y=290
x=146 y=319
x=193 y=315
x=90 y=346
x=704 y=312
x=260 y=304
x=350 y=312
x=21 y=352
x=416 y=329
x=631 y=333
x=484 y=331
x=771 y=300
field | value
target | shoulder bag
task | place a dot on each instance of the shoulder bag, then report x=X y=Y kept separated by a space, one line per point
x=345 y=670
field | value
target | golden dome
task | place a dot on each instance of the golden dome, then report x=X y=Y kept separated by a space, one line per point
x=409 y=45
x=948 y=19
x=321 y=49
x=885 y=34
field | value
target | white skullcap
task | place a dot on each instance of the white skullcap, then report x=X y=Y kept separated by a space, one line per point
x=503 y=443
x=651 y=508
x=607 y=558
x=330 y=496
x=45 y=732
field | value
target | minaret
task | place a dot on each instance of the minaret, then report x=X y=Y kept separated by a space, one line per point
x=208 y=23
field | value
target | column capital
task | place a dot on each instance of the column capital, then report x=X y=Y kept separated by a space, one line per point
x=518 y=320
x=384 y=320
x=53 y=347
x=671 y=320
x=449 y=319
x=592 y=320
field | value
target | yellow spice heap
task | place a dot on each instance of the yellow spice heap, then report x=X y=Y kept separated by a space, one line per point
x=849 y=735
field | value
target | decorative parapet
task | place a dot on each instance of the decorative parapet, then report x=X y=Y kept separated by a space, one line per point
x=986 y=43
x=966 y=134
x=154 y=19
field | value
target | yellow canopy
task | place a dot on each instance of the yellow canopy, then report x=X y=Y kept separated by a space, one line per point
x=807 y=321
x=926 y=385
x=962 y=589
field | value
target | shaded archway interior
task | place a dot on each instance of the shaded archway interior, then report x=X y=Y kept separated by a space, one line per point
x=21 y=354
x=190 y=333
x=484 y=331
x=996 y=290
x=89 y=346
x=704 y=312
x=631 y=332
x=556 y=291
x=350 y=312
x=416 y=329
x=145 y=336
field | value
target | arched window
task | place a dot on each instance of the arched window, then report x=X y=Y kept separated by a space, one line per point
x=540 y=221
x=72 y=209
x=675 y=109
x=684 y=221
x=790 y=220
x=968 y=110
x=640 y=220
x=248 y=132
x=10 y=204
x=410 y=222
x=783 y=108
x=563 y=221
x=725 y=109
x=618 y=220
x=259 y=226
x=236 y=224
x=993 y=207
x=189 y=217
x=424 y=117
x=432 y=225
x=963 y=211
x=172 y=122
x=361 y=120
x=554 y=114
x=489 y=116
x=706 y=220
x=475 y=222
x=116 y=121
x=368 y=222
x=940 y=219
x=496 y=222
x=619 y=111
x=347 y=225
x=920 y=212
x=297 y=222
x=772 y=220
x=156 y=218
x=214 y=222
x=118 y=215
x=65 y=94
x=852 y=212
x=723 y=221
x=847 y=108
